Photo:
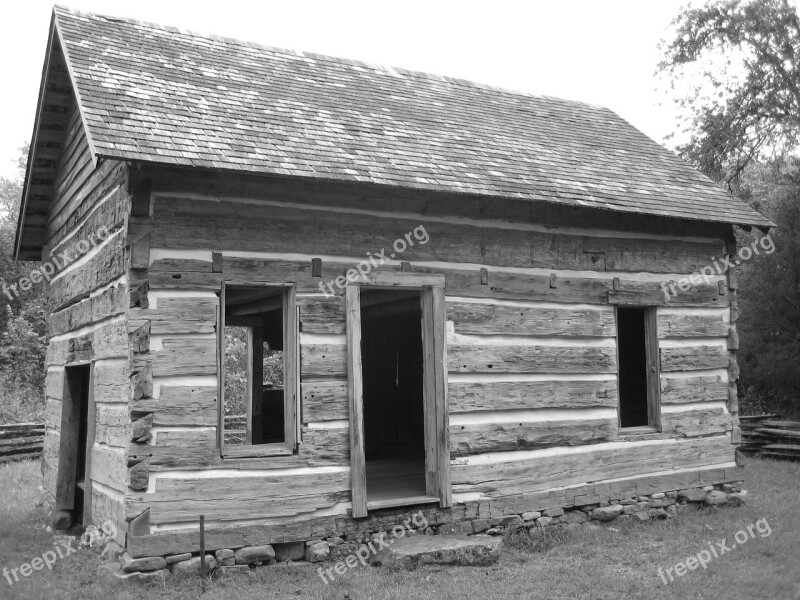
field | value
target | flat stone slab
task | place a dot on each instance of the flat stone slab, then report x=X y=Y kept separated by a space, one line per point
x=413 y=551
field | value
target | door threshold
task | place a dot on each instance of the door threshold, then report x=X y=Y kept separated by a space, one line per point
x=398 y=502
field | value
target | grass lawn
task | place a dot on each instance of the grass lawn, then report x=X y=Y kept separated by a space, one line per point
x=613 y=563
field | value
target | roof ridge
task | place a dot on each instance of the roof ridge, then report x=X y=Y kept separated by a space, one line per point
x=389 y=69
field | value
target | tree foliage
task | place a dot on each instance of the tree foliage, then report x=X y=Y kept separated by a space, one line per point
x=23 y=318
x=769 y=295
x=738 y=64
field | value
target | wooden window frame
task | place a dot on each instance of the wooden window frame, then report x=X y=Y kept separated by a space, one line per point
x=653 y=367
x=437 y=432
x=291 y=378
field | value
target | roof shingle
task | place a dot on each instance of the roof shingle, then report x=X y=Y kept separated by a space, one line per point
x=157 y=94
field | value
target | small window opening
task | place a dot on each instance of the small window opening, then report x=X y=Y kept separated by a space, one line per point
x=254 y=384
x=633 y=376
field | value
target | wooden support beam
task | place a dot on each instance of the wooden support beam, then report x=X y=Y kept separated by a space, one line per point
x=258 y=306
x=358 y=469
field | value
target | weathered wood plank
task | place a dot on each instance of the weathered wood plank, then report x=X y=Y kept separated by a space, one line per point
x=107 y=340
x=543 y=472
x=355 y=395
x=110 y=177
x=483 y=358
x=108 y=509
x=272 y=229
x=682 y=325
x=113 y=425
x=323 y=360
x=229 y=499
x=478 y=438
x=194 y=438
x=516 y=395
x=696 y=422
x=181 y=406
x=185 y=356
x=702 y=388
x=90 y=310
x=693 y=358
x=571 y=288
x=489 y=318
x=647 y=294
x=325 y=447
x=324 y=400
x=322 y=315
x=175 y=316
x=111 y=381
x=109 y=468
x=102 y=268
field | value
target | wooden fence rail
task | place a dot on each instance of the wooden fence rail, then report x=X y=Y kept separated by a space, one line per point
x=20 y=441
x=769 y=436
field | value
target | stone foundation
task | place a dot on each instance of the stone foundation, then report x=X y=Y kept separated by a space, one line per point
x=336 y=548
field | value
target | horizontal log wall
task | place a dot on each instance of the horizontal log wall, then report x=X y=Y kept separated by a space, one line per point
x=85 y=242
x=531 y=341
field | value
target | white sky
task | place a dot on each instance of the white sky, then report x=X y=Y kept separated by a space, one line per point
x=598 y=51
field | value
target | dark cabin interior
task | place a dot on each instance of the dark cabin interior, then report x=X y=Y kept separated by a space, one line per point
x=632 y=353
x=392 y=367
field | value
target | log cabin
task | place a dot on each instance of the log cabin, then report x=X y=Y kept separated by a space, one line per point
x=303 y=296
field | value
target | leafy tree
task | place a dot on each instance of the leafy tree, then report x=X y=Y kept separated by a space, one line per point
x=769 y=296
x=739 y=64
x=23 y=317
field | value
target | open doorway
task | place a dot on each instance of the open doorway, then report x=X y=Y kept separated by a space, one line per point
x=74 y=486
x=393 y=380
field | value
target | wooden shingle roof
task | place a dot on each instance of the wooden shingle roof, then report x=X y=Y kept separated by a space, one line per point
x=162 y=95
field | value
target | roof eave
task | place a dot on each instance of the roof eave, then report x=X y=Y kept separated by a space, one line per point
x=34 y=135
x=764 y=225
x=54 y=35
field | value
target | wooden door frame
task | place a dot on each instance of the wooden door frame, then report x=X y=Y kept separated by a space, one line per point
x=435 y=407
x=653 y=367
x=66 y=478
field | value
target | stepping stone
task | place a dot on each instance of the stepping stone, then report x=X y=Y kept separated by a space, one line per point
x=410 y=552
